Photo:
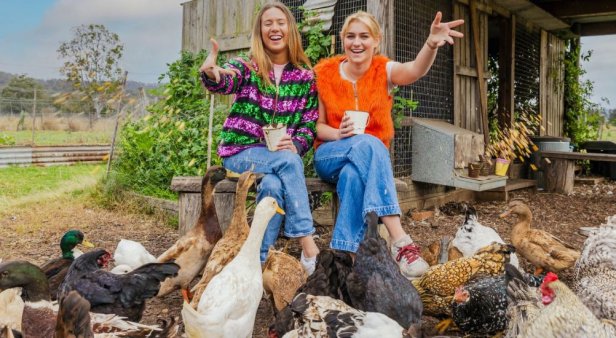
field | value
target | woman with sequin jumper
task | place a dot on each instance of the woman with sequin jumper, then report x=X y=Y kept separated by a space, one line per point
x=362 y=80
x=273 y=85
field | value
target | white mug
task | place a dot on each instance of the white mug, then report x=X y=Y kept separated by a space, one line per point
x=360 y=120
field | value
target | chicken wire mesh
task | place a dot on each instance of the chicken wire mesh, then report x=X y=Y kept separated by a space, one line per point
x=527 y=63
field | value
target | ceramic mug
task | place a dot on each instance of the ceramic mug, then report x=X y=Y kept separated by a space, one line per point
x=360 y=120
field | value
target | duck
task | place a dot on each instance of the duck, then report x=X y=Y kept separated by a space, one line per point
x=283 y=274
x=40 y=313
x=232 y=240
x=192 y=250
x=540 y=248
x=228 y=306
x=132 y=254
x=123 y=295
x=472 y=236
x=55 y=269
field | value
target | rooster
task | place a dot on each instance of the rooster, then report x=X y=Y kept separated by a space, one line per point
x=124 y=295
x=377 y=284
x=564 y=315
x=596 y=271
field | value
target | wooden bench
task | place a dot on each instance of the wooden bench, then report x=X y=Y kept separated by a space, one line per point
x=189 y=190
x=560 y=168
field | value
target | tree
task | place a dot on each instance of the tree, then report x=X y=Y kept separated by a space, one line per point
x=92 y=63
x=18 y=95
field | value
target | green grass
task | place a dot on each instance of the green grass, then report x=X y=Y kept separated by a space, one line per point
x=56 y=137
x=609 y=133
x=21 y=182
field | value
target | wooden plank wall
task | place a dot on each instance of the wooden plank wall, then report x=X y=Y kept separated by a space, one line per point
x=229 y=21
x=551 y=90
x=465 y=86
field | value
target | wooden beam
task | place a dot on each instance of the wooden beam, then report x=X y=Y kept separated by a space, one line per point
x=568 y=155
x=598 y=28
x=506 y=71
x=578 y=8
x=483 y=92
x=383 y=10
x=468 y=71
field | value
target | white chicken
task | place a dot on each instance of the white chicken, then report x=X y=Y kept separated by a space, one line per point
x=323 y=316
x=11 y=308
x=228 y=306
x=132 y=253
x=596 y=271
x=472 y=236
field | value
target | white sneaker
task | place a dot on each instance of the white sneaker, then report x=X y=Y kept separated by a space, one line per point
x=309 y=264
x=407 y=255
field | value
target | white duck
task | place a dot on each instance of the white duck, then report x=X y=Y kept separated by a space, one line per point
x=472 y=236
x=132 y=253
x=228 y=306
x=11 y=309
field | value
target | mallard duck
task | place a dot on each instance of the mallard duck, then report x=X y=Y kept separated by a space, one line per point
x=132 y=253
x=231 y=242
x=542 y=249
x=39 y=315
x=124 y=295
x=228 y=306
x=55 y=269
x=11 y=308
x=283 y=274
x=192 y=250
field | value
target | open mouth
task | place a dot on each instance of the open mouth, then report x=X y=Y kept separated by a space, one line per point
x=357 y=51
x=276 y=37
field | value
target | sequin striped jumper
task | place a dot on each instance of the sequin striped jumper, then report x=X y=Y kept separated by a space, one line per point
x=256 y=103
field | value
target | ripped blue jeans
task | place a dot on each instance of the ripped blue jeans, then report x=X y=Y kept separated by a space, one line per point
x=284 y=180
x=361 y=168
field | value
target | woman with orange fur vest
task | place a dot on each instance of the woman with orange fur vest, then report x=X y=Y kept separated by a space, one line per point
x=356 y=160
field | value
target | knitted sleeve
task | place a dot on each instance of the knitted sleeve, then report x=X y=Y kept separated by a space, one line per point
x=229 y=84
x=306 y=130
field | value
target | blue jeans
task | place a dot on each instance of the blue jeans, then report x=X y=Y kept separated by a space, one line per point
x=361 y=167
x=284 y=180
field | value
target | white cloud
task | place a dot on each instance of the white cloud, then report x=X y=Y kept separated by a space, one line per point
x=601 y=69
x=150 y=30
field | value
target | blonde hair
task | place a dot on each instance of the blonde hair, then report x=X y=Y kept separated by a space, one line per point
x=367 y=19
x=257 y=50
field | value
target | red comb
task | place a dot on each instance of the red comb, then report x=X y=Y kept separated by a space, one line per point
x=550 y=277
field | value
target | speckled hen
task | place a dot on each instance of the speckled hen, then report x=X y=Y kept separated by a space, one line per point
x=479 y=307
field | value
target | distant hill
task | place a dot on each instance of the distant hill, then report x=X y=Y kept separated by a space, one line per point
x=60 y=85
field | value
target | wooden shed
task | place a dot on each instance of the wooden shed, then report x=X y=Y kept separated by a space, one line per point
x=510 y=59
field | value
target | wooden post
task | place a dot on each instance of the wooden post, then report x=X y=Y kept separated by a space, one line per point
x=483 y=92
x=559 y=176
x=383 y=11
x=117 y=122
x=189 y=210
x=33 y=116
x=506 y=72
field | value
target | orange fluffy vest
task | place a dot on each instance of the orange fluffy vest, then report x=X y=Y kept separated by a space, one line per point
x=337 y=96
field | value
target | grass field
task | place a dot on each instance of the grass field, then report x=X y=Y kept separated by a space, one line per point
x=20 y=185
x=609 y=134
x=59 y=137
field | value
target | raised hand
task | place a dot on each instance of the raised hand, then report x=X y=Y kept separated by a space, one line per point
x=209 y=66
x=442 y=32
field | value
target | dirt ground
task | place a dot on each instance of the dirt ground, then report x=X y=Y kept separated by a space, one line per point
x=33 y=233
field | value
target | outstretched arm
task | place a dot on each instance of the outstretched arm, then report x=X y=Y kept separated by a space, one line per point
x=440 y=33
x=221 y=80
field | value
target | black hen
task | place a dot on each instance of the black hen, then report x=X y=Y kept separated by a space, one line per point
x=124 y=295
x=480 y=306
x=376 y=283
x=328 y=279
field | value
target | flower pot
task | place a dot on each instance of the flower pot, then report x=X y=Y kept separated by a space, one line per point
x=273 y=134
x=502 y=165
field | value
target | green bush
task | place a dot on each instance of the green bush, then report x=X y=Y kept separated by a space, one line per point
x=172 y=139
x=6 y=140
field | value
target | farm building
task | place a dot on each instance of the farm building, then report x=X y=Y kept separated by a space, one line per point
x=509 y=60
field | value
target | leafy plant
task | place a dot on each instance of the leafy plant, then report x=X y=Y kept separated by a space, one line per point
x=172 y=139
x=581 y=123
x=6 y=140
x=318 y=43
x=402 y=107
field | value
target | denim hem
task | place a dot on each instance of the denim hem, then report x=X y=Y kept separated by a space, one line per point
x=344 y=245
x=386 y=210
x=301 y=234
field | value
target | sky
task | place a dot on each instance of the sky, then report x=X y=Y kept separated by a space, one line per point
x=32 y=30
x=151 y=30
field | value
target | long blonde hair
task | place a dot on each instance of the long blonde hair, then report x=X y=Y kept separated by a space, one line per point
x=258 y=53
x=367 y=19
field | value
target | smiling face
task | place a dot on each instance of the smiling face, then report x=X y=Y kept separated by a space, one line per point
x=275 y=32
x=360 y=45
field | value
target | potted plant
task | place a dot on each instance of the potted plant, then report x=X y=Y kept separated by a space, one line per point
x=513 y=142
